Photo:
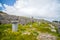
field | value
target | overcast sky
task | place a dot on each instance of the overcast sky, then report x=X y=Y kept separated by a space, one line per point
x=47 y=9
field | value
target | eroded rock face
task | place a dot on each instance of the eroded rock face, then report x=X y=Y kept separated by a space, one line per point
x=46 y=36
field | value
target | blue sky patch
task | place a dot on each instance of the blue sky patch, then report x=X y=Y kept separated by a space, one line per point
x=8 y=2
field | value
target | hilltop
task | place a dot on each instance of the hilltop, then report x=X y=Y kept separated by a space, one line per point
x=6 y=18
x=32 y=29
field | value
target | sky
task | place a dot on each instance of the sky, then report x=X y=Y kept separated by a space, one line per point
x=43 y=9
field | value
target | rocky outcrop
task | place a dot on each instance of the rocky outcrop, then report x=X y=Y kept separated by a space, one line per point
x=46 y=36
x=6 y=18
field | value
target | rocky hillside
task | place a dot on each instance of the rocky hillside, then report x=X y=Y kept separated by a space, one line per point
x=6 y=18
x=35 y=29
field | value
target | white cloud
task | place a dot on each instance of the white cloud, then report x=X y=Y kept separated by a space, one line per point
x=42 y=8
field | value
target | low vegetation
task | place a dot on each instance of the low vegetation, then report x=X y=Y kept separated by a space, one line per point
x=29 y=31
